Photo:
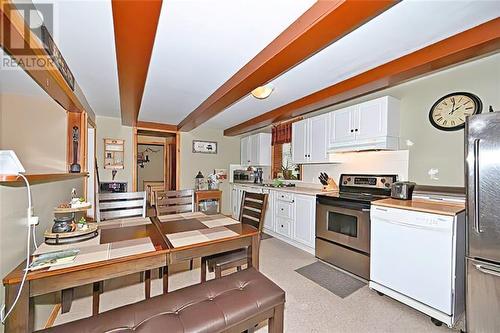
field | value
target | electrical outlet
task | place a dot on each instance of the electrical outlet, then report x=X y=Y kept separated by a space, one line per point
x=34 y=220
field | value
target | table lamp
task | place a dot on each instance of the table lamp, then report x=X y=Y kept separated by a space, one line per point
x=10 y=165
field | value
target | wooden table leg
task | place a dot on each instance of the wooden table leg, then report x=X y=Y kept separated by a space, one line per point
x=96 y=294
x=21 y=319
x=66 y=300
x=165 y=279
x=147 y=284
x=255 y=251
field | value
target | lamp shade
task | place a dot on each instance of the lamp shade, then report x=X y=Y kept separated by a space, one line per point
x=9 y=163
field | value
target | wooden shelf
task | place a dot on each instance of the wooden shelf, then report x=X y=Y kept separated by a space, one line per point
x=39 y=178
x=58 y=210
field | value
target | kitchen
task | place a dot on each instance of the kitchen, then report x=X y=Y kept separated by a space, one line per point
x=333 y=161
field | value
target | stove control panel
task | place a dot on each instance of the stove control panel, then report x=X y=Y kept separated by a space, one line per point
x=368 y=181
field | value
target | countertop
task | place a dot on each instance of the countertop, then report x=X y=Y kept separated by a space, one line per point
x=421 y=205
x=296 y=189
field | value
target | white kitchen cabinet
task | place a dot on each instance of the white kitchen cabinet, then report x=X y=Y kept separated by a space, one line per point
x=305 y=217
x=269 y=216
x=370 y=125
x=310 y=140
x=256 y=150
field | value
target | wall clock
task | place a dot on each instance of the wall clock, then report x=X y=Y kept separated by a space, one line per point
x=450 y=111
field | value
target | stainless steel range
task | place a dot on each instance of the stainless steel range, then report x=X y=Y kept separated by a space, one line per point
x=343 y=221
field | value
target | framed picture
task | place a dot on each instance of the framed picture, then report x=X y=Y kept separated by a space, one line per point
x=205 y=147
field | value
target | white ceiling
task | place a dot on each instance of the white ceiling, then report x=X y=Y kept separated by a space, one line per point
x=85 y=36
x=200 y=44
x=406 y=27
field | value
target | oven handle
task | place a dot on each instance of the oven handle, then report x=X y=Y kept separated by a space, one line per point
x=345 y=205
x=487 y=270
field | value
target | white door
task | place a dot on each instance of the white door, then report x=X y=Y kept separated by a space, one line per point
x=245 y=150
x=342 y=125
x=318 y=139
x=300 y=141
x=305 y=217
x=370 y=122
x=268 y=217
x=91 y=179
x=412 y=253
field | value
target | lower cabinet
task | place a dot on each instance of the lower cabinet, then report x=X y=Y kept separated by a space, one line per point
x=305 y=216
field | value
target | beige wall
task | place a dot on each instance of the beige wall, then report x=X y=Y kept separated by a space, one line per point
x=228 y=152
x=35 y=128
x=153 y=170
x=112 y=128
x=433 y=148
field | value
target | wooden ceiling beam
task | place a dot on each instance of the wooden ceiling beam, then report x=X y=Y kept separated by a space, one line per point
x=322 y=24
x=147 y=125
x=465 y=46
x=135 y=23
x=34 y=60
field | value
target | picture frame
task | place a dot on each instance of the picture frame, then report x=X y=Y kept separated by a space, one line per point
x=204 y=147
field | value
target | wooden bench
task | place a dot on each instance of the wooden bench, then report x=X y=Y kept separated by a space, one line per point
x=234 y=303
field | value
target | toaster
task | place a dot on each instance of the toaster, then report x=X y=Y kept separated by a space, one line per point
x=402 y=190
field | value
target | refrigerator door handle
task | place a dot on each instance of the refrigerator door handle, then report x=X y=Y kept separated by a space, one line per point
x=487 y=270
x=477 y=226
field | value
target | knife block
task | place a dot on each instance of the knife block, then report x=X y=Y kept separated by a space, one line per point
x=332 y=186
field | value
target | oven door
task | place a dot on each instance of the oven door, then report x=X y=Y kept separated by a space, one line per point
x=344 y=223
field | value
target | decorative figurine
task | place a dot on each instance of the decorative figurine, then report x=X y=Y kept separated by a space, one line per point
x=75 y=167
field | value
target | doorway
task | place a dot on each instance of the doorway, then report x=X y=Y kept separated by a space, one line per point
x=156 y=160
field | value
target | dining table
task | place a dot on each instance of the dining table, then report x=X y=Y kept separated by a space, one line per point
x=123 y=247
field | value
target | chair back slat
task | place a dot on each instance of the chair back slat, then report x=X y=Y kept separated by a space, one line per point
x=253 y=209
x=120 y=205
x=174 y=202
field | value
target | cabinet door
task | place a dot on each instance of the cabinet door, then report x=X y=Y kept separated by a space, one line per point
x=245 y=151
x=304 y=226
x=268 y=217
x=318 y=139
x=254 y=149
x=342 y=125
x=234 y=204
x=370 y=119
x=300 y=141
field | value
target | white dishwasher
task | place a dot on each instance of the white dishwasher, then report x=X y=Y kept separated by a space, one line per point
x=413 y=258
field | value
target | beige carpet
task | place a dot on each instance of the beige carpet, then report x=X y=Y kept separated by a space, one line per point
x=309 y=307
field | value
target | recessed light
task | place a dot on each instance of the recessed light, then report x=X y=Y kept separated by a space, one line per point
x=263 y=92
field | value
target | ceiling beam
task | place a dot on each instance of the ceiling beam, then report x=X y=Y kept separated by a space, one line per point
x=135 y=23
x=465 y=46
x=322 y=24
x=147 y=125
x=14 y=33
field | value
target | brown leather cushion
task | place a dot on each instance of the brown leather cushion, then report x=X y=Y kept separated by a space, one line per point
x=209 y=307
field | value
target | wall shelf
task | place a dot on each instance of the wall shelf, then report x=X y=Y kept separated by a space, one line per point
x=17 y=181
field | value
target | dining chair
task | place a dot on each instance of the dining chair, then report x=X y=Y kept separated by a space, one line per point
x=174 y=202
x=112 y=206
x=252 y=212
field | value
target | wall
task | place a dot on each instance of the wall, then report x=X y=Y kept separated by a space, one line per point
x=431 y=147
x=112 y=128
x=228 y=152
x=153 y=170
x=35 y=128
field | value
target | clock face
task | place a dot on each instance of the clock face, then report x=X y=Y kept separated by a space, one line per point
x=449 y=112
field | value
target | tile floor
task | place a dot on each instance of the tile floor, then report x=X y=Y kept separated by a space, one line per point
x=309 y=307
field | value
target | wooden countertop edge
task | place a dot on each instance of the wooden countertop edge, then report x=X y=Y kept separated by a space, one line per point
x=15 y=181
x=425 y=206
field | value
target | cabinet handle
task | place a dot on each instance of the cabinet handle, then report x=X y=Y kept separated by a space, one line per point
x=352 y=130
x=356 y=130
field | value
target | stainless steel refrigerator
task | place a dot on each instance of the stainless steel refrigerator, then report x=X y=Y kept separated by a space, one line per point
x=483 y=222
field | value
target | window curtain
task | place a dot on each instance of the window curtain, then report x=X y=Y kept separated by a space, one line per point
x=282 y=133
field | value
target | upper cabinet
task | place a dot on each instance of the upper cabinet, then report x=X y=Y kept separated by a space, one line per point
x=310 y=140
x=369 y=125
x=256 y=150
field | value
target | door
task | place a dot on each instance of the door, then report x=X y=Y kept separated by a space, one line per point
x=342 y=126
x=305 y=211
x=483 y=297
x=483 y=168
x=245 y=151
x=412 y=253
x=318 y=139
x=300 y=141
x=268 y=217
x=369 y=119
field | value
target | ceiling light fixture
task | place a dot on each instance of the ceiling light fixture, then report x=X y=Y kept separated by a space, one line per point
x=263 y=92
